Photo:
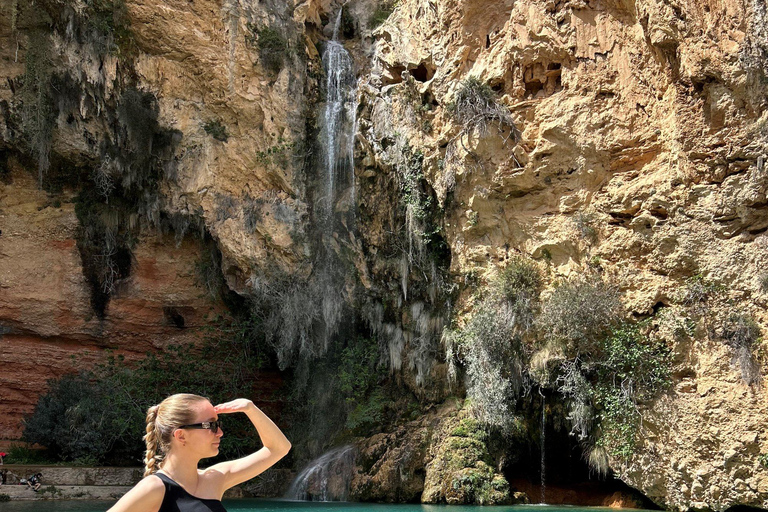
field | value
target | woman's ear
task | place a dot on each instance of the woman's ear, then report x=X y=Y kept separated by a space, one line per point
x=179 y=435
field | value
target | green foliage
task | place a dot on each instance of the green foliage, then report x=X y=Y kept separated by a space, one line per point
x=73 y=419
x=338 y=394
x=383 y=11
x=357 y=374
x=606 y=386
x=472 y=218
x=578 y=314
x=763 y=459
x=109 y=25
x=217 y=130
x=358 y=371
x=491 y=345
x=272 y=46
x=276 y=153
x=19 y=454
x=411 y=178
x=100 y=416
x=4 y=498
x=632 y=369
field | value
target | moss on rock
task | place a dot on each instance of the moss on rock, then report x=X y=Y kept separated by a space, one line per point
x=462 y=469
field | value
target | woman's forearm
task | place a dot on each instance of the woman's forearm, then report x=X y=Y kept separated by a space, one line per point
x=271 y=436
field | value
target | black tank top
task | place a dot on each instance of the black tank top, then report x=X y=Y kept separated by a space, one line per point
x=177 y=499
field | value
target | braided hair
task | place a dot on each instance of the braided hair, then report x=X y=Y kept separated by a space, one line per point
x=162 y=420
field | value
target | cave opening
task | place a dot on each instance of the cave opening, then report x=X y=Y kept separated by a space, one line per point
x=568 y=477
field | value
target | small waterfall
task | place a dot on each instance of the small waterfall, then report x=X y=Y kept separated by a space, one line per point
x=338 y=123
x=543 y=448
x=326 y=478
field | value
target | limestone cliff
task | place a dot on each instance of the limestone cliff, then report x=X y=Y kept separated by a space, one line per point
x=638 y=145
x=647 y=117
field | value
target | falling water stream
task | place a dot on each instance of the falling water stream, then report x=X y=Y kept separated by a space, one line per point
x=326 y=478
x=335 y=192
x=338 y=123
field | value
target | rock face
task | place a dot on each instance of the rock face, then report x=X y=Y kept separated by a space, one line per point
x=642 y=151
x=48 y=325
x=639 y=148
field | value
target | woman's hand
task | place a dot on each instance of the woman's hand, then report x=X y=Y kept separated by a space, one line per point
x=239 y=405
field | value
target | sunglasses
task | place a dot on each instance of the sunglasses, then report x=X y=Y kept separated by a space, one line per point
x=213 y=426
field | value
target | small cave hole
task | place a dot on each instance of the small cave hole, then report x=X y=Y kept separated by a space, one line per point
x=422 y=73
x=532 y=88
x=499 y=86
x=172 y=316
x=658 y=306
x=488 y=41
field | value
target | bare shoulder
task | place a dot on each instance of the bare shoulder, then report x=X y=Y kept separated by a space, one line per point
x=214 y=480
x=145 y=496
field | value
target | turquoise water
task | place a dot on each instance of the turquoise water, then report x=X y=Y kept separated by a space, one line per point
x=263 y=505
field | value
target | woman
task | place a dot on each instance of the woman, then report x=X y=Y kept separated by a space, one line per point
x=183 y=429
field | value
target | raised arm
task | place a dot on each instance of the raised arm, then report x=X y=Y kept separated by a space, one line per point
x=276 y=445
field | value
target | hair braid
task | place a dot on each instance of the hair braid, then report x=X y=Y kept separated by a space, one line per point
x=153 y=456
x=162 y=420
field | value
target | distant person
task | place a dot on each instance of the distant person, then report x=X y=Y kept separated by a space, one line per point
x=34 y=481
x=3 y=476
x=182 y=430
x=2 y=454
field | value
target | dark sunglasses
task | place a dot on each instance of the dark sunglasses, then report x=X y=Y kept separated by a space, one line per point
x=213 y=426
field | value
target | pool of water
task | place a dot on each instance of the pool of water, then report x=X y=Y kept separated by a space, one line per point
x=263 y=505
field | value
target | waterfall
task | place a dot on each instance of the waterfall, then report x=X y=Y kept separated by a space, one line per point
x=326 y=478
x=337 y=135
x=543 y=448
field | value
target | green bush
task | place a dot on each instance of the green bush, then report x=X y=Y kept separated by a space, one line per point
x=18 y=454
x=491 y=345
x=4 y=498
x=631 y=370
x=99 y=416
x=215 y=129
x=272 y=46
x=73 y=419
x=604 y=388
x=579 y=314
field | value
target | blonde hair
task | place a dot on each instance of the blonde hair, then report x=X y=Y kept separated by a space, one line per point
x=162 y=420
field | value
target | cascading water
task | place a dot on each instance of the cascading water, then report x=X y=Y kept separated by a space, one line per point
x=326 y=478
x=338 y=125
x=335 y=190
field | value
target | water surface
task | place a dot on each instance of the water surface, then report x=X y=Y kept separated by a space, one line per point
x=264 y=505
